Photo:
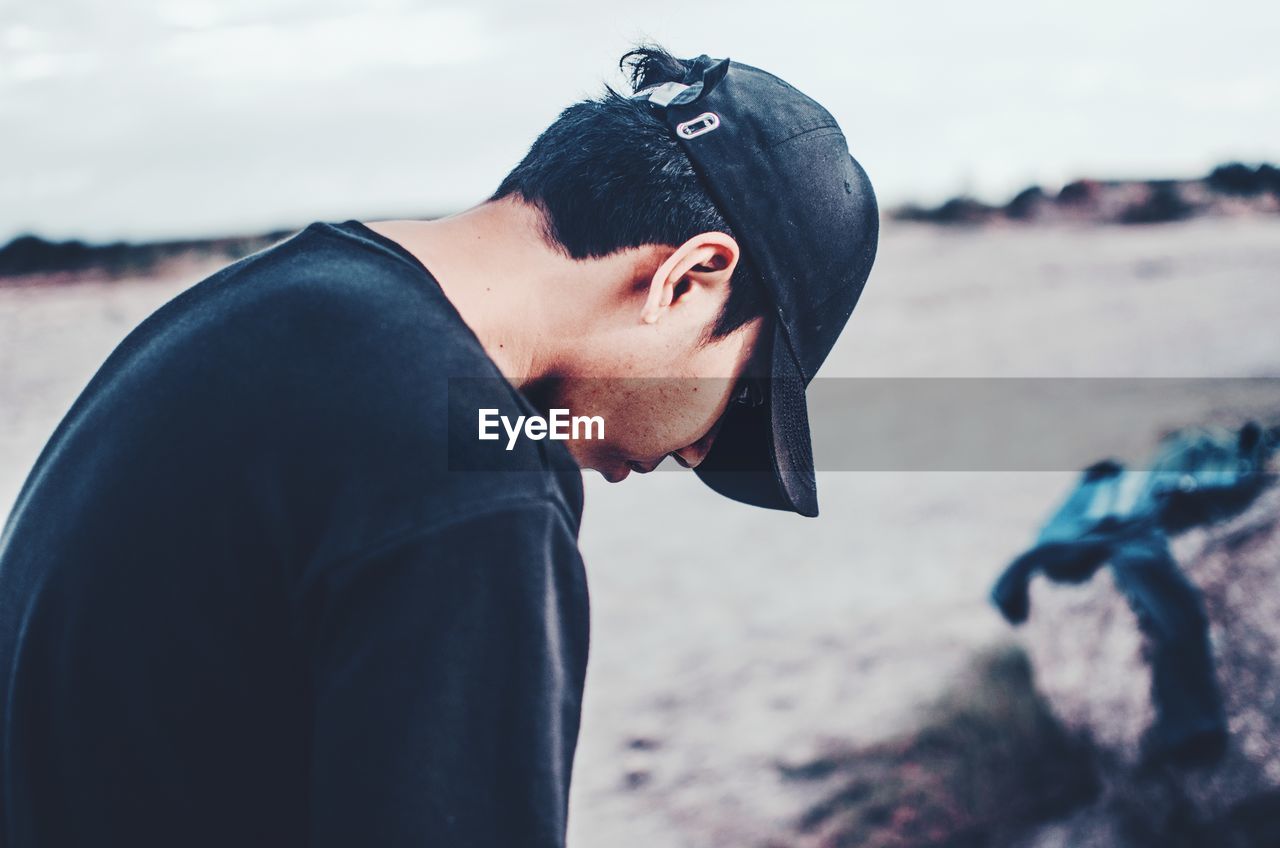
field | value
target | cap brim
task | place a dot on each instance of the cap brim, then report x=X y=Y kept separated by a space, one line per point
x=763 y=455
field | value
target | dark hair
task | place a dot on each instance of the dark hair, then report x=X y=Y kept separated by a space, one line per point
x=608 y=175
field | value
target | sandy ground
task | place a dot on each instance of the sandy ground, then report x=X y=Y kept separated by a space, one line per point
x=727 y=640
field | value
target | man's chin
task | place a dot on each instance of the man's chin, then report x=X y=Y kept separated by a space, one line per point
x=613 y=472
x=616 y=474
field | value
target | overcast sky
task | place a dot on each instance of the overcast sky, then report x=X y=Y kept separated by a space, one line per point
x=200 y=117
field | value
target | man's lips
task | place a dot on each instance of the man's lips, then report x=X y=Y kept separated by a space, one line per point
x=621 y=472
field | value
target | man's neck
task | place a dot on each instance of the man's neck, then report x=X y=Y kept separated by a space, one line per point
x=490 y=260
x=539 y=313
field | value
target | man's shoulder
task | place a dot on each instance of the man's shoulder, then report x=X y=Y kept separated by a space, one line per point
x=335 y=265
x=344 y=364
x=422 y=374
x=425 y=379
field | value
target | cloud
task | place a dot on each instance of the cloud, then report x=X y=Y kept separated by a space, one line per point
x=185 y=116
x=330 y=47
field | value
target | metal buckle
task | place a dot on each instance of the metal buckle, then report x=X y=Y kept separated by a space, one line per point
x=700 y=125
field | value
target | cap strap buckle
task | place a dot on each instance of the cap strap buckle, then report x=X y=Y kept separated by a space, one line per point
x=701 y=125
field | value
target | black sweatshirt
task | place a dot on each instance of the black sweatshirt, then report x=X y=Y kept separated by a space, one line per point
x=248 y=599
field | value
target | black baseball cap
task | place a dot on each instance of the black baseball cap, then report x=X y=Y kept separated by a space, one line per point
x=778 y=167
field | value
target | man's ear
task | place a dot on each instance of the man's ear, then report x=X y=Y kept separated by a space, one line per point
x=704 y=262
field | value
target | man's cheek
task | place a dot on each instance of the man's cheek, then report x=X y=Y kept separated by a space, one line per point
x=700 y=420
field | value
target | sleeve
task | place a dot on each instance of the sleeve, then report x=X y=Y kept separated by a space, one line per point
x=448 y=675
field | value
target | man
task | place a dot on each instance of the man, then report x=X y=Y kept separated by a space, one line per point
x=267 y=584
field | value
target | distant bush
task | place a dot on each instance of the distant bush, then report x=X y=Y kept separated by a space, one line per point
x=1120 y=201
x=1025 y=203
x=30 y=254
x=1240 y=179
x=957 y=210
x=1079 y=193
x=1163 y=203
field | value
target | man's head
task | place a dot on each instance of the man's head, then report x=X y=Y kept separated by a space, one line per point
x=732 y=233
x=662 y=342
